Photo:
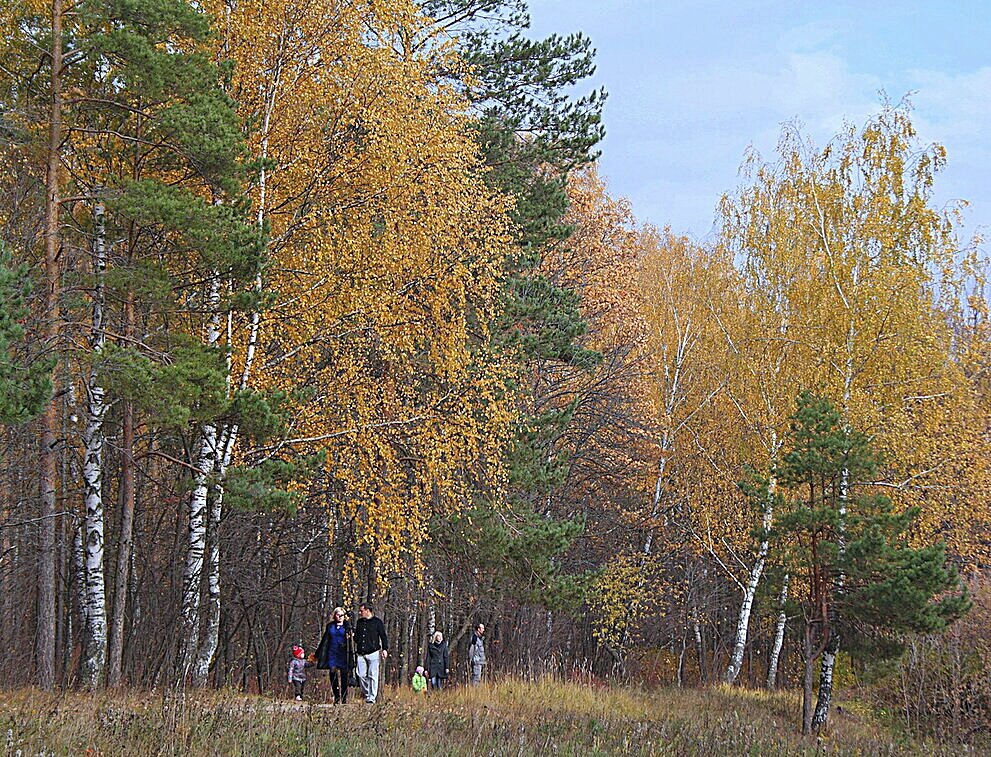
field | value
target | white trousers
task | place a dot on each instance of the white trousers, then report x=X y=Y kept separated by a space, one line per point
x=368 y=674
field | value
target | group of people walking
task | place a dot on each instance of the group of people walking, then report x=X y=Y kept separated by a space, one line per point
x=353 y=657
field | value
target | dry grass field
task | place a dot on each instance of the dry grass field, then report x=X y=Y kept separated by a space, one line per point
x=509 y=718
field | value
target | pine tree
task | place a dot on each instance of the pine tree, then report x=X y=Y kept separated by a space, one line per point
x=855 y=571
x=149 y=209
x=532 y=134
x=25 y=382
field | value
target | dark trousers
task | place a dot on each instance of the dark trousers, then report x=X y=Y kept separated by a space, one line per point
x=298 y=686
x=339 y=684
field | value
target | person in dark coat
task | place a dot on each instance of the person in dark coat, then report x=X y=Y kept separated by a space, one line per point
x=336 y=654
x=437 y=664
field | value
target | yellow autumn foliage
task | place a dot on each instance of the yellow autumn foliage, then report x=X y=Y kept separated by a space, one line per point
x=385 y=251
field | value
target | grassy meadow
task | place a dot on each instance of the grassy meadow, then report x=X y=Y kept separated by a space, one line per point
x=508 y=718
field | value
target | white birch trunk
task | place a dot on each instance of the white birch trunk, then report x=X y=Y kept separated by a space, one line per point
x=196 y=548
x=658 y=491
x=95 y=646
x=828 y=667
x=697 y=633
x=753 y=580
x=206 y=463
x=672 y=376
x=223 y=451
x=79 y=569
x=211 y=632
x=779 y=635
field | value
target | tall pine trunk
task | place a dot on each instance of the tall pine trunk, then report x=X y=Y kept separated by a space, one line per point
x=126 y=525
x=44 y=658
x=95 y=655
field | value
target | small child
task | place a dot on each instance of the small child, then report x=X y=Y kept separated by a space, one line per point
x=297 y=671
x=419 y=681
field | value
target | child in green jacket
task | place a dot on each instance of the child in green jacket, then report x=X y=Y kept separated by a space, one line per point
x=419 y=681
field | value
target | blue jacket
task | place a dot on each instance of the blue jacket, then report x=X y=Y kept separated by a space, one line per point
x=336 y=648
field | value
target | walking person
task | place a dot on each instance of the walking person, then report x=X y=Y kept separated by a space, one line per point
x=372 y=646
x=438 y=665
x=336 y=654
x=297 y=671
x=476 y=654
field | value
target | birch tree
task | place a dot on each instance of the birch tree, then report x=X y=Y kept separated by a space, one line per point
x=95 y=639
x=847 y=258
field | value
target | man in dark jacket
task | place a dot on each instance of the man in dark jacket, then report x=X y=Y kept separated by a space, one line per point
x=372 y=646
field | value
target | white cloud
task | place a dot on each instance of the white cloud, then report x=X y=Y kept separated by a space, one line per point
x=955 y=110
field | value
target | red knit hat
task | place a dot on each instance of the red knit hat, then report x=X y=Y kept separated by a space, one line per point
x=297 y=652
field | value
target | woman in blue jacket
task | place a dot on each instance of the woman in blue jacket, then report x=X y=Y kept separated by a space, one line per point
x=336 y=654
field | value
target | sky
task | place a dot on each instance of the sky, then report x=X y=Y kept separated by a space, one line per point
x=693 y=83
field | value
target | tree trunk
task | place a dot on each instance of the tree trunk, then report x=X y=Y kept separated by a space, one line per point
x=807 y=681
x=79 y=584
x=196 y=547
x=211 y=632
x=749 y=592
x=833 y=643
x=658 y=491
x=206 y=463
x=45 y=629
x=779 y=635
x=125 y=527
x=825 y=695
x=753 y=581
x=95 y=655
x=224 y=455
x=697 y=633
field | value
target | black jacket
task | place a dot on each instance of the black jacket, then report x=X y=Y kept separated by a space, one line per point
x=369 y=635
x=437 y=660
x=323 y=651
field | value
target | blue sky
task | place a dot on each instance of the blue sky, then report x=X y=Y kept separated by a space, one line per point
x=693 y=84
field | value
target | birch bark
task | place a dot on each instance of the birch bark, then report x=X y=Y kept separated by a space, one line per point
x=827 y=670
x=779 y=635
x=206 y=462
x=95 y=639
x=756 y=571
x=228 y=439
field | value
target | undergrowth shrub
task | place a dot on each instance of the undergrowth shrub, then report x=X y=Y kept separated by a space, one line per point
x=942 y=686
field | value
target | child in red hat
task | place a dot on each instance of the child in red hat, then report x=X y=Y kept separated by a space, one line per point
x=297 y=671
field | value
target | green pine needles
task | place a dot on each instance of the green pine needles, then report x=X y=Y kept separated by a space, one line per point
x=25 y=380
x=848 y=550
